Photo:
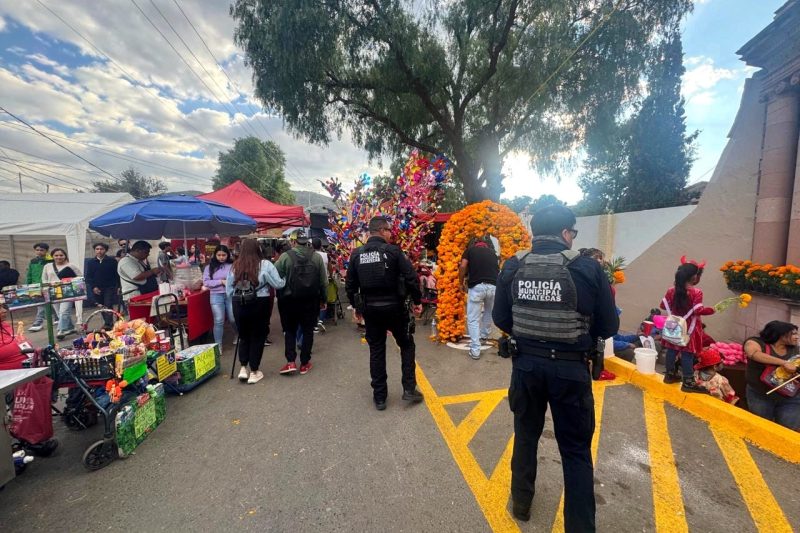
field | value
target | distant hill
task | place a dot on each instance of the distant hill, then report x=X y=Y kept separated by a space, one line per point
x=313 y=201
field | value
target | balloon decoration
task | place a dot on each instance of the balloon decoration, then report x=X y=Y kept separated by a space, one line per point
x=411 y=203
x=475 y=220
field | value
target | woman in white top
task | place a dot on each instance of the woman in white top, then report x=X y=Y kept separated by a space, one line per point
x=251 y=273
x=53 y=272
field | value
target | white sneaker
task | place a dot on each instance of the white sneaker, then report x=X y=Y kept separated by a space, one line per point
x=36 y=327
x=244 y=374
x=255 y=377
x=236 y=341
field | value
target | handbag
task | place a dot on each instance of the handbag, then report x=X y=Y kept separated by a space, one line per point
x=31 y=420
x=773 y=376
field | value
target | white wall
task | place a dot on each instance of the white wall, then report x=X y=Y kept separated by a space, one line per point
x=628 y=234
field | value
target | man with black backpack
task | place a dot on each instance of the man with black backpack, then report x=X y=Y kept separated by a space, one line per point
x=300 y=301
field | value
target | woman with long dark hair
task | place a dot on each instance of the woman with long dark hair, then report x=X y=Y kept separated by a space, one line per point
x=54 y=272
x=775 y=345
x=215 y=276
x=248 y=285
x=685 y=299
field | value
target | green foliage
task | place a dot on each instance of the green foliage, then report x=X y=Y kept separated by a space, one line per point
x=644 y=162
x=260 y=165
x=469 y=78
x=133 y=182
x=520 y=203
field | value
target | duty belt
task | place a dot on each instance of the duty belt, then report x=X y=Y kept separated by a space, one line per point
x=557 y=355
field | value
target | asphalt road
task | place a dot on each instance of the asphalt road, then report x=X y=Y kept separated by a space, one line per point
x=310 y=453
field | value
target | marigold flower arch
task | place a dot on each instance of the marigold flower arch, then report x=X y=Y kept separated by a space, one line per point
x=475 y=220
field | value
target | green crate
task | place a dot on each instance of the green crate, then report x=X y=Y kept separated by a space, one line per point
x=196 y=363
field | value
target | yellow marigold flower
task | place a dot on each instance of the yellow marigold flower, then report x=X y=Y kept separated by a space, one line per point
x=785 y=282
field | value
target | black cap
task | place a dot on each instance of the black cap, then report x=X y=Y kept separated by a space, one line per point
x=301 y=237
x=552 y=220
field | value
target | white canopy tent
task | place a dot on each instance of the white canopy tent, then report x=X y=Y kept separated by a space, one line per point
x=57 y=214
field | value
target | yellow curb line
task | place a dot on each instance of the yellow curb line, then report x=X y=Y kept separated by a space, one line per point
x=765 y=434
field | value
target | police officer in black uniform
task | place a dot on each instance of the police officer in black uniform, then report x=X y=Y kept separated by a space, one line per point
x=554 y=302
x=379 y=279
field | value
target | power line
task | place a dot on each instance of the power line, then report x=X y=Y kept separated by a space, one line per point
x=227 y=105
x=56 y=142
x=233 y=83
x=106 y=151
x=72 y=184
x=15 y=174
x=138 y=84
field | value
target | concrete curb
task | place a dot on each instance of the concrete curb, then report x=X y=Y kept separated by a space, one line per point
x=767 y=435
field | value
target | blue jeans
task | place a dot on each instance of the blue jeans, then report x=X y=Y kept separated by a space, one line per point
x=687 y=362
x=65 y=316
x=480 y=301
x=220 y=306
x=785 y=411
x=40 y=315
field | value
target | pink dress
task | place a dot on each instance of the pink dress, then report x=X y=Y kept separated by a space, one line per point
x=696 y=337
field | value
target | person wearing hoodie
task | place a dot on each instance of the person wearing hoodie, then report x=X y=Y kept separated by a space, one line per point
x=34 y=275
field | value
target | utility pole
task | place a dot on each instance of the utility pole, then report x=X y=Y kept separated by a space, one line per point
x=20 y=181
x=47 y=188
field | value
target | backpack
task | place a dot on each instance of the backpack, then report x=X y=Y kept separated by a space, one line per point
x=676 y=331
x=303 y=279
x=244 y=293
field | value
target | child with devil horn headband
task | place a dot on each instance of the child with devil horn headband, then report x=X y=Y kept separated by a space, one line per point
x=684 y=299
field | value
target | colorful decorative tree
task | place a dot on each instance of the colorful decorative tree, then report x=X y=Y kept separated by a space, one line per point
x=411 y=204
x=475 y=220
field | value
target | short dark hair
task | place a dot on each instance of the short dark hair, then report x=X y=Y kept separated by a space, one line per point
x=5 y=263
x=104 y=245
x=42 y=245
x=164 y=245
x=141 y=245
x=552 y=220
x=378 y=223
x=316 y=242
x=776 y=329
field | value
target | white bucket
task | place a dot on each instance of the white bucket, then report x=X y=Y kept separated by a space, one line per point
x=645 y=360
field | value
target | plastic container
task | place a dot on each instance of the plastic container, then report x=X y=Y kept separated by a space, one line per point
x=645 y=360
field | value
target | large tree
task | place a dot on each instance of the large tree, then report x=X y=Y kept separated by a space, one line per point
x=644 y=162
x=133 y=182
x=260 y=165
x=474 y=79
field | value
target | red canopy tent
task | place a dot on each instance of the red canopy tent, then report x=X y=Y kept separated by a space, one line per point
x=267 y=214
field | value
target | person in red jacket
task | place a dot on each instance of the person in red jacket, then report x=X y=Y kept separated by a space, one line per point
x=11 y=357
x=685 y=299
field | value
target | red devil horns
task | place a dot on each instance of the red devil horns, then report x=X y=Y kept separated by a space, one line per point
x=693 y=262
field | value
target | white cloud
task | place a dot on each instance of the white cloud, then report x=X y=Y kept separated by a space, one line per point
x=2 y=24
x=701 y=77
x=137 y=103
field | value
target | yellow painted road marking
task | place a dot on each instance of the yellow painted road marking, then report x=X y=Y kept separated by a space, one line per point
x=470 y=397
x=668 y=509
x=491 y=494
x=478 y=416
x=767 y=514
x=599 y=392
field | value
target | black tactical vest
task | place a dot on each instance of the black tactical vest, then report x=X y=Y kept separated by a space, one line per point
x=376 y=273
x=545 y=304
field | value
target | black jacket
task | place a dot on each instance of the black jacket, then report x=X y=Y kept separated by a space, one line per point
x=403 y=268
x=594 y=299
x=102 y=275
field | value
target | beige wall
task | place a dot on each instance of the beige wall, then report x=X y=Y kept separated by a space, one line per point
x=718 y=230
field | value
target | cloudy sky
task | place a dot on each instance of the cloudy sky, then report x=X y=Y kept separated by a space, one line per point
x=103 y=82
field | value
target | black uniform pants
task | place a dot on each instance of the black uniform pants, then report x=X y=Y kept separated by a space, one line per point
x=567 y=387
x=379 y=320
x=294 y=313
x=250 y=319
x=108 y=299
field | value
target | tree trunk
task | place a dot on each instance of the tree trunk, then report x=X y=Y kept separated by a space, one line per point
x=468 y=171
